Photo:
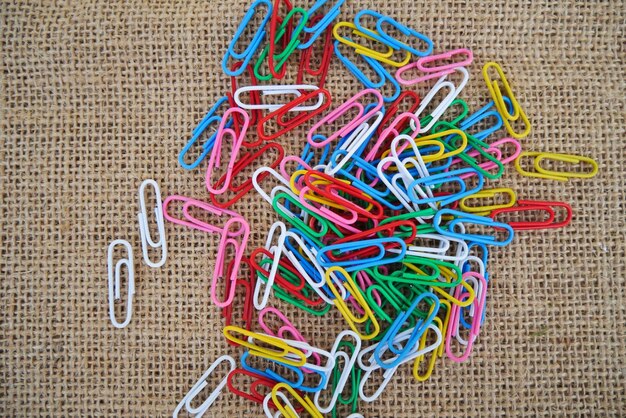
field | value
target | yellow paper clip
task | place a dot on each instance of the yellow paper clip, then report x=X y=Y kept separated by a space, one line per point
x=440 y=155
x=555 y=175
x=485 y=210
x=341 y=304
x=287 y=411
x=498 y=99
x=433 y=357
x=369 y=52
x=283 y=352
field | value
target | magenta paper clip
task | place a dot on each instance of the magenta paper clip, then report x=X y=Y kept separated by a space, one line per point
x=216 y=155
x=341 y=110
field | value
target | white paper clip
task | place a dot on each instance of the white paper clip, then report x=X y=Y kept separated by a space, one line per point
x=114 y=271
x=144 y=231
x=276 y=90
x=201 y=384
x=277 y=251
x=445 y=103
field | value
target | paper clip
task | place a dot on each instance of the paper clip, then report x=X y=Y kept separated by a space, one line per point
x=207 y=120
x=321 y=21
x=536 y=206
x=361 y=117
x=405 y=31
x=114 y=273
x=542 y=173
x=288 y=125
x=257 y=381
x=441 y=107
x=437 y=353
x=289 y=411
x=496 y=94
x=290 y=45
x=257 y=38
x=277 y=252
x=240 y=168
x=305 y=59
x=351 y=287
x=349 y=363
x=200 y=385
x=363 y=263
x=421 y=63
x=453 y=326
x=361 y=49
x=403 y=351
x=286 y=327
x=189 y=220
x=277 y=90
x=216 y=155
x=468 y=219
x=282 y=352
x=419 y=186
x=247 y=285
x=237 y=240
x=488 y=193
x=144 y=230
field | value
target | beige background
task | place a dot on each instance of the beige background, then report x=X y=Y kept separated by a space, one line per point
x=97 y=96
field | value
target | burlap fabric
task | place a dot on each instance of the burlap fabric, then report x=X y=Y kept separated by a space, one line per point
x=97 y=96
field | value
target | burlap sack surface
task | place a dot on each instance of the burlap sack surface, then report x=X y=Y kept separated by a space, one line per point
x=97 y=96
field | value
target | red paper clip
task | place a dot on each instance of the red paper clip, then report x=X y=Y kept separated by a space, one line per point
x=536 y=205
x=274 y=21
x=299 y=119
x=327 y=53
x=257 y=380
x=244 y=162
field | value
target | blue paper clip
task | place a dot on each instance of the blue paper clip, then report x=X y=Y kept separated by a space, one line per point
x=250 y=50
x=405 y=30
x=207 y=120
x=271 y=374
x=442 y=178
x=351 y=66
x=394 y=330
x=363 y=263
x=376 y=66
x=465 y=219
x=317 y=29
x=487 y=111
x=383 y=37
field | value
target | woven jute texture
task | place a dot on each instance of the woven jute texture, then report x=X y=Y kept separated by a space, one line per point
x=97 y=96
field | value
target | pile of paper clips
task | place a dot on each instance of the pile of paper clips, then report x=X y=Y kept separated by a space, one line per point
x=385 y=216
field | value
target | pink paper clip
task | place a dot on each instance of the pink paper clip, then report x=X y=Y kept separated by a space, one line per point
x=446 y=55
x=216 y=154
x=416 y=80
x=191 y=221
x=335 y=114
x=477 y=306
